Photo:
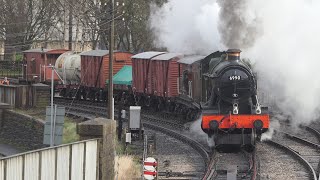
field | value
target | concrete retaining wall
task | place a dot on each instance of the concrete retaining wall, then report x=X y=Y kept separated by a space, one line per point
x=21 y=130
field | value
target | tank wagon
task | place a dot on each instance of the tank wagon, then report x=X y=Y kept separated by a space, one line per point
x=68 y=67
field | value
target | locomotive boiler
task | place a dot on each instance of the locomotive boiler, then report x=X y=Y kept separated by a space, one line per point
x=233 y=114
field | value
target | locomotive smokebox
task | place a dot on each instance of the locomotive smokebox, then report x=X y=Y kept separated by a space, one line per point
x=233 y=54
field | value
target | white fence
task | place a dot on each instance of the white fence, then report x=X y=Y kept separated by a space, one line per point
x=76 y=161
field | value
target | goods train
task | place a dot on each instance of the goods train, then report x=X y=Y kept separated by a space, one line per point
x=220 y=87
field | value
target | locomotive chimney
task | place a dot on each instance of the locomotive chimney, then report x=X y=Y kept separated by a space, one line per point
x=233 y=54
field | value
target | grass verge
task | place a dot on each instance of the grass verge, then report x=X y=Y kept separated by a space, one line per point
x=126 y=168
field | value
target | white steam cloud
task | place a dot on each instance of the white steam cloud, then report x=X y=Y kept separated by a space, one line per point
x=187 y=26
x=286 y=56
x=281 y=37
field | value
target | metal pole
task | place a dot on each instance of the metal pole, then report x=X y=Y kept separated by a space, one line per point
x=54 y=124
x=70 y=25
x=51 y=128
x=111 y=42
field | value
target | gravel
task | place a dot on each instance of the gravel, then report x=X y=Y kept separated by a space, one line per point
x=177 y=156
x=278 y=164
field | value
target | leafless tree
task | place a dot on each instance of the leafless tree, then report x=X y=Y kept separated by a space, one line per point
x=23 y=21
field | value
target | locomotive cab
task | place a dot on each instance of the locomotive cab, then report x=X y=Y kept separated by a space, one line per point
x=233 y=114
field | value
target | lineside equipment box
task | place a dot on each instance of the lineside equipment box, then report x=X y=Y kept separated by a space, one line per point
x=135 y=118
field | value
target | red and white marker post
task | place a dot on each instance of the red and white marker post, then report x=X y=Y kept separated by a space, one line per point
x=150 y=166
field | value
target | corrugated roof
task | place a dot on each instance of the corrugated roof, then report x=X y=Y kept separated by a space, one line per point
x=39 y=50
x=123 y=77
x=95 y=53
x=47 y=51
x=191 y=59
x=147 y=55
x=167 y=56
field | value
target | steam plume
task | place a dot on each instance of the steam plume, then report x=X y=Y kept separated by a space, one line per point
x=281 y=37
x=187 y=26
x=238 y=24
x=286 y=56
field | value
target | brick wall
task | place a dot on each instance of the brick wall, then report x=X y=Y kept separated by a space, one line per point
x=41 y=95
x=25 y=96
x=21 y=130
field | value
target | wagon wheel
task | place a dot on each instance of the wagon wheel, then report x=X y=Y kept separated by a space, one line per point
x=185 y=115
x=97 y=94
x=188 y=116
x=84 y=94
x=78 y=95
x=160 y=106
x=70 y=94
x=148 y=102
x=62 y=92
x=167 y=106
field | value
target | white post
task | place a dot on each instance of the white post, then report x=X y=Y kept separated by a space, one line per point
x=44 y=74
x=54 y=124
x=40 y=72
x=112 y=109
x=51 y=133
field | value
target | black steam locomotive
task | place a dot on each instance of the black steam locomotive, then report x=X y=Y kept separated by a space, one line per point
x=233 y=114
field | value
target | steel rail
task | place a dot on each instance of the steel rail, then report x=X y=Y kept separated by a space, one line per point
x=148 y=122
x=301 y=140
x=194 y=144
x=296 y=154
x=314 y=131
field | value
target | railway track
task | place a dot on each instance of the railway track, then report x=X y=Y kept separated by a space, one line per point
x=305 y=142
x=236 y=165
x=88 y=108
x=202 y=151
x=302 y=146
x=152 y=122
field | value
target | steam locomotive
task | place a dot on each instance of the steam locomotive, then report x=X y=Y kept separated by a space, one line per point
x=233 y=114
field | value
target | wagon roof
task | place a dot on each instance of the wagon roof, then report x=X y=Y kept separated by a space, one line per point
x=99 y=53
x=47 y=51
x=147 y=55
x=191 y=59
x=167 y=56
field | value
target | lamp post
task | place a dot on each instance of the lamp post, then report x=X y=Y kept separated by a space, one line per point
x=51 y=127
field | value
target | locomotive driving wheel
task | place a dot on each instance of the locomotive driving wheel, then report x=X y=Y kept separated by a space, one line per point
x=253 y=137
